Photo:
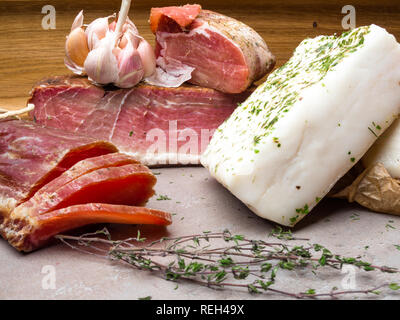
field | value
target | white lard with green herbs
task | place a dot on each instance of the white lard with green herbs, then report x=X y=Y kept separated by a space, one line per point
x=285 y=147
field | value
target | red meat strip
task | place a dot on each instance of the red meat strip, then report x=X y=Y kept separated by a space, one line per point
x=86 y=166
x=58 y=221
x=131 y=184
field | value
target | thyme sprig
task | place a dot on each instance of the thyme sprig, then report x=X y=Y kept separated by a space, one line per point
x=224 y=260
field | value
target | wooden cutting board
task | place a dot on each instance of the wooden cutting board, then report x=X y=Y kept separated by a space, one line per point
x=28 y=52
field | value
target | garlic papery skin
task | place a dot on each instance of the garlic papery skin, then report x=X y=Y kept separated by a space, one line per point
x=78 y=21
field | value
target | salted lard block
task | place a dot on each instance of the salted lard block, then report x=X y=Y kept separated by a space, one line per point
x=285 y=147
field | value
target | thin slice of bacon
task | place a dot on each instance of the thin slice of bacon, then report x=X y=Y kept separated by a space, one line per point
x=86 y=166
x=131 y=184
x=61 y=220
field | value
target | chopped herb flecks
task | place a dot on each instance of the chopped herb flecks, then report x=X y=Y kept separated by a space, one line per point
x=161 y=197
x=303 y=210
x=276 y=140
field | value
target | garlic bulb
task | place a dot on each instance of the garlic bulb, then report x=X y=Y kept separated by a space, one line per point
x=109 y=53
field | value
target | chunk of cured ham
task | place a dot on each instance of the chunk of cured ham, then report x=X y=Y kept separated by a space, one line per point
x=158 y=126
x=52 y=181
x=208 y=49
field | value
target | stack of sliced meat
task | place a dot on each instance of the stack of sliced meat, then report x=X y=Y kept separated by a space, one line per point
x=52 y=181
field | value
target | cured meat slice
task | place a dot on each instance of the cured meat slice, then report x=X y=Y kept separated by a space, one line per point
x=52 y=181
x=130 y=184
x=86 y=166
x=213 y=50
x=158 y=126
x=43 y=227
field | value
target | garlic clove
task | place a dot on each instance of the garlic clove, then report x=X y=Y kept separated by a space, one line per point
x=96 y=31
x=76 y=47
x=112 y=25
x=148 y=57
x=116 y=52
x=124 y=41
x=130 y=66
x=101 y=64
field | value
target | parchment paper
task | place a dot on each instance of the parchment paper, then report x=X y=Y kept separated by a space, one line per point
x=374 y=189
